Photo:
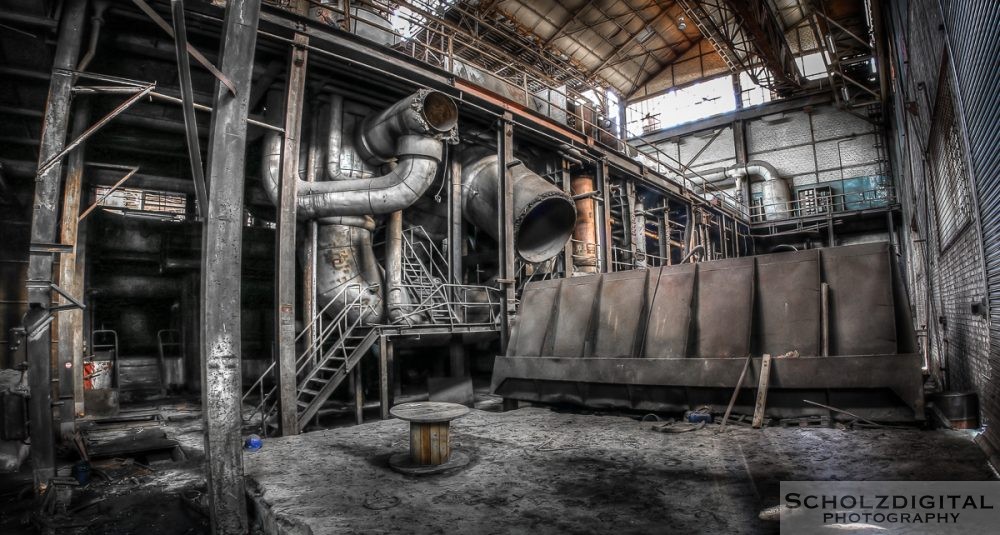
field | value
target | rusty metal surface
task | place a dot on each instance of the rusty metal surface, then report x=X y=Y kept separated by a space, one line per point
x=724 y=303
x=862 y=315
x=573 y=316
x=669 y=321
x=619 y=311
x=698 y=320
x=788 y=315
x=681 y=383
x=537 y=307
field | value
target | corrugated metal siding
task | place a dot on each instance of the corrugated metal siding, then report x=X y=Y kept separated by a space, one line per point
x=975 y=41
x=947 y=278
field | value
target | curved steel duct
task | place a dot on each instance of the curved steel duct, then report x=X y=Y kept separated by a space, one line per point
x=777 y=195
x=544 y=215
x=412 y=131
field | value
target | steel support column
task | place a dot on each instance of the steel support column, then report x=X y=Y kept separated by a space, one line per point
x=71 y=281
x=385 y=375
x=43 y=231
x=285 y=237
x=605 y=229
x=221 y=273
x=456 y=236
x=505 y=157
x=567 y=184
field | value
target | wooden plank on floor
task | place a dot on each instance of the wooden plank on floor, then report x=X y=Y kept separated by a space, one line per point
x=765 y=373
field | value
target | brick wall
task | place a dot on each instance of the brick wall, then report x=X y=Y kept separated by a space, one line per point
x=944 y=279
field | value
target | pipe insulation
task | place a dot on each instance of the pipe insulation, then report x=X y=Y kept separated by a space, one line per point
x=544 y=215
x=777 y=195
x=409 y=135
x=413 y=133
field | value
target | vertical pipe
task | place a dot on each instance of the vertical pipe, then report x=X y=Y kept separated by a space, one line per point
x=605 y=187
x=221 y=269
x=456 y=239
x=584 y=243
x=71 y=280
x=359 y=394
x=187 y=98
x=825 y=317
x=43 y=231
x=394 y=265
x=285 y=237
x=316 y=164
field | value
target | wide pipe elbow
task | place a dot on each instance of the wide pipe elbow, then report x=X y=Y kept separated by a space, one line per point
x=425 y=113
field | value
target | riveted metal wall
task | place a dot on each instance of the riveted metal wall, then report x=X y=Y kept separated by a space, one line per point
x=975 y=46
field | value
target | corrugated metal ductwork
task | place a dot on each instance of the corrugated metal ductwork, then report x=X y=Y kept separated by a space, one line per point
x=975 y=45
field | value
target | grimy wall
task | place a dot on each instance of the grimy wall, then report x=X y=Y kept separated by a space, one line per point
x=944 y=177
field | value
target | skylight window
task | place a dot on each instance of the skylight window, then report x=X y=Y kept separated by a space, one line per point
x=812 y=66
x=679 y=106
x=751 y=93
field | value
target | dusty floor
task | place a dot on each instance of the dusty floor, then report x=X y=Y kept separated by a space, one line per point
x=539 y=471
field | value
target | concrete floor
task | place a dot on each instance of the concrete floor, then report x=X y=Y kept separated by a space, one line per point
x=534 y=470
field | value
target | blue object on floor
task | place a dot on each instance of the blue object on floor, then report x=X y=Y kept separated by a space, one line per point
x=253 y=443
x=698 y=417
x=81 y=472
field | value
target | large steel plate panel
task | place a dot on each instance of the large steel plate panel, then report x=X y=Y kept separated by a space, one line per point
x=862 y=318
x=619 y=312
x=670 y=291
x=724 y=301
x=573 y=318
x=537 y=304
x=789 y=303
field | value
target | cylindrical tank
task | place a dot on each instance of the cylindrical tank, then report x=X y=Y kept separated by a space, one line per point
x=585 y=230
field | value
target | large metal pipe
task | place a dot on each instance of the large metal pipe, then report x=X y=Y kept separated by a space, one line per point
x=413 y=130
x=544 y=215
x=426 y=112
x=417 y=145
x=777 y=194
x=585 y=230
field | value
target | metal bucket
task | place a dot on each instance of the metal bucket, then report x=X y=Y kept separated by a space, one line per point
x=960 y=408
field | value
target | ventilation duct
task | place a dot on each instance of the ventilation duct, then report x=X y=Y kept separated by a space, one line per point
x=544 y=215
x=408 y=135
x=777 y=196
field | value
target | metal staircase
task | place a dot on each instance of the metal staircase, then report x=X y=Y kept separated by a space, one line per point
x=425 y=277
x=337 y=339
x=333 y=347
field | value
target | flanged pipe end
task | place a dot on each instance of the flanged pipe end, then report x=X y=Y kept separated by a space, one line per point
x=544 y=228
x=439 y=111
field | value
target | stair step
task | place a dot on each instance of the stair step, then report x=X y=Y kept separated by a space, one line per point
x=312 y=393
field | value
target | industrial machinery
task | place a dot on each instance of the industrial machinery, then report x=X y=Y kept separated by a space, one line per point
x=676 y=337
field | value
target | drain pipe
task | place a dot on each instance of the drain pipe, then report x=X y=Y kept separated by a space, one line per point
x=96 y=22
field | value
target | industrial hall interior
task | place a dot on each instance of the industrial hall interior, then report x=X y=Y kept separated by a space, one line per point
x=305 y=267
